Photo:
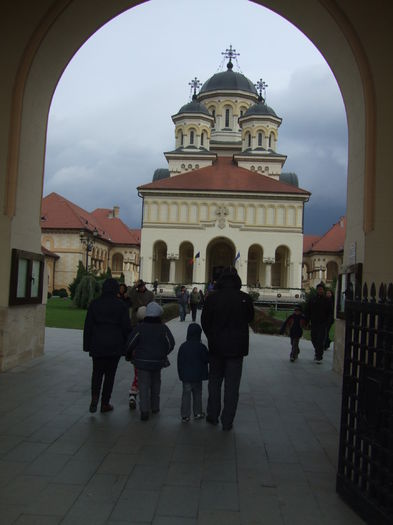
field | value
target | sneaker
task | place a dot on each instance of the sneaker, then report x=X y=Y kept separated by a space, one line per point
x=106 y=407
x=144 y=416
x=318 y=360
x=199 y=416
x=185 y=419
x=132 y=402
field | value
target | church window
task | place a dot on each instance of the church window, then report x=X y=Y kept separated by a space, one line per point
x=227 y=118
x=259 y=139
x=252 y=168
x=181 y=138
x=270 y=140
x=183 y=166
x=202 y=138
x=191 y=137
x=190 y=166
x=249 y=140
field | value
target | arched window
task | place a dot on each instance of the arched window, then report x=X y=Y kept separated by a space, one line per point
x=227 y=118
x=117 y=262
x=259 y=139
x=191 y=137
x=249 y=140
x=271 y=138
x=181 y=138
x=202 y=138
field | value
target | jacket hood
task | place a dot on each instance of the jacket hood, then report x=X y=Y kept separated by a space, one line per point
x=194 y=332
x=229 y=279
x=111 y=287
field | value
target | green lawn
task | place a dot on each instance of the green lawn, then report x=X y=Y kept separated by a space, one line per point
x=61 y=313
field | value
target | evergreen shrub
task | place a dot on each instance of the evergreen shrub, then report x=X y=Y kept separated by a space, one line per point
x=87 y=290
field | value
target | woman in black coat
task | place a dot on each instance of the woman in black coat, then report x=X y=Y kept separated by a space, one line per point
x=107 y=326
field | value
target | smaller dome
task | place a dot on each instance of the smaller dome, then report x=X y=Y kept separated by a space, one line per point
x=160 y=173
x=289 y=178
x=194 y=107
x=260 y=108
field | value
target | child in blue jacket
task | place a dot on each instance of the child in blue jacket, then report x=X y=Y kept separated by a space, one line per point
x=192 y=366
x=296 y=323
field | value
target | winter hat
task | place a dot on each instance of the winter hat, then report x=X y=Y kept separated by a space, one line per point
x=154 y=310
x=141 y=313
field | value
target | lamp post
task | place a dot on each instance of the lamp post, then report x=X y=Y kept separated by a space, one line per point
x=88 y=239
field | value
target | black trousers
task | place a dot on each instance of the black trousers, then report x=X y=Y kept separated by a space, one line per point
x=104 y=368
x=318 y=338
x=229 y=371
x=193 y=307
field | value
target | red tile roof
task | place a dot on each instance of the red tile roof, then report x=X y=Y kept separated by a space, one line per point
x=308 y=241
x=224 y=175
x=331 y=241
x=58 y=213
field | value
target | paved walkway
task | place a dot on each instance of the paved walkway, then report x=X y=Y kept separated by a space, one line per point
x=60 y=464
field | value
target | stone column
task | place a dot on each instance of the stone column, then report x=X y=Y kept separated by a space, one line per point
x=172 y=270
x=268 y=274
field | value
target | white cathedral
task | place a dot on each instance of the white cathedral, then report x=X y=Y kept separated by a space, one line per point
x=223 y=199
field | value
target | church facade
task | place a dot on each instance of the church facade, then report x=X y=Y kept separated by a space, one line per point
x=223 y=200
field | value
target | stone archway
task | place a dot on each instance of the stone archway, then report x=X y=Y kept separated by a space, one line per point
x=255 y=274
x=160 y=263
x=185 y=264
x=52 y=33
x=220 y=254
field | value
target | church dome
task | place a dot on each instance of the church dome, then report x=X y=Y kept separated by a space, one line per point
x=160 y=173
x=289 y=178
x=228 y=80
x=260 y=108
x=194 y=107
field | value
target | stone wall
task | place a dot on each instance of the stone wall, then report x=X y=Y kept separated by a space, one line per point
x=22 y=333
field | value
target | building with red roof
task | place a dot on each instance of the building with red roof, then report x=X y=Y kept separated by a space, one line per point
x=223 y=200
x=323 y=255
x=100 y=239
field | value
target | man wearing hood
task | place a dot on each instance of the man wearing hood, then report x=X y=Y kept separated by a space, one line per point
x=106 y=329
x=226 y=315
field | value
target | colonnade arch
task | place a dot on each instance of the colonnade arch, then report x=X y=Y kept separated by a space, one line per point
x=160 y=262
x=220 y=253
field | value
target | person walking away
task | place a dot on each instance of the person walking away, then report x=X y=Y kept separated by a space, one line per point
x=194 y=302
x=225 y=318
x=192 y=367
x=296 y=323
x=330 y=298
x=318 y=313
x=107 y=326
x=183 y=300
x=147 y=348
x=139 y=296
x=134 y=389
x=201 y=299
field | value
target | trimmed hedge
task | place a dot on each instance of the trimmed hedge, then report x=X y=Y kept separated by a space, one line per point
x=264 y=323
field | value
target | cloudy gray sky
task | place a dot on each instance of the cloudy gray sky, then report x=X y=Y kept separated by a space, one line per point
x=110 y=119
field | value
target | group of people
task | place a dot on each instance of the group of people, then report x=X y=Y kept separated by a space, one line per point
x=127 y=321
x=319 y=313
x=189 y=301
x=110 y=332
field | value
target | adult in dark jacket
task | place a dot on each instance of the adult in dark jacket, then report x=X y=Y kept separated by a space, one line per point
x=225 y=318
x=192 y=368
x=147 y=348
x=183 y=300
x=319 y=313
x=107 y=326
x=139 y=296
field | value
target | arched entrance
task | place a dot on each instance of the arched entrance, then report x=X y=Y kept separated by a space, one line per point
x=185 y=264
x=220 y=254
x=160 y=263
x=255 y=274
x=280 y=268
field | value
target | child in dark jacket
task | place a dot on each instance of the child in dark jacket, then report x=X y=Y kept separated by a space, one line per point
x=192 y=366
x=147 y=348
x=296 y=323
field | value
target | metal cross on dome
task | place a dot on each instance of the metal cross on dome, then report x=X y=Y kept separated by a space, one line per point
x=195 y=84
x=230 y=53
x=261 y=87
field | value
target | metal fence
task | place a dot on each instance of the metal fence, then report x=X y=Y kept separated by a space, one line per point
x=365 y=467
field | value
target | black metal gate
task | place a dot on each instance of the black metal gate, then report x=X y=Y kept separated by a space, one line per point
x=365 y=467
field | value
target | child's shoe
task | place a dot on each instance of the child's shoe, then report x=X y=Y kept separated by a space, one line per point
x=132 y=402
x=199 y=416
x=185 y=419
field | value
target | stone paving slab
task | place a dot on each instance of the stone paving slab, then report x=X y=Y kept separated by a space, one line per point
x=61 y=464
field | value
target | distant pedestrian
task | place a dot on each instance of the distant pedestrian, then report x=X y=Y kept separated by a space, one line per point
x=194 y=302
x=183 y=300
x=201 y=300
x=225 y=318
x=295 y=322
x=330 y=298
x=139 y=296
x=147 y=348
x=192 y=367
x=106 y=329
x=318 y=313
